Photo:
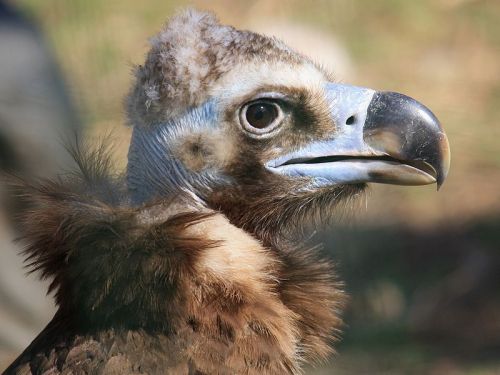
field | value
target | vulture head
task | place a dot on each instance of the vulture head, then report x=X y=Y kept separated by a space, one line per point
x=237 y=141
x=262 y=133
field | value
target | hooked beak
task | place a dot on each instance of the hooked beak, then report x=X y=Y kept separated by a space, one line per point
x=382 y=137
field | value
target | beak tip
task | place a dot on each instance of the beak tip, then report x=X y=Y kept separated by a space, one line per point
x=440 y=179
x=442 y=175
x=407 y=130
x=446 y=156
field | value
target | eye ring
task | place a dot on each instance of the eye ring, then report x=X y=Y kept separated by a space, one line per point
x=260 y=117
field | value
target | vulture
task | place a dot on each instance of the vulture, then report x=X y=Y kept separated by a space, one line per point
x=190 y=263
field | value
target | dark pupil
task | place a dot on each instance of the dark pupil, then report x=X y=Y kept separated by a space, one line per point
x=260 y=115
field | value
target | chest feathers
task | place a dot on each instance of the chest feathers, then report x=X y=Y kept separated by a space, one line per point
x=176 y=281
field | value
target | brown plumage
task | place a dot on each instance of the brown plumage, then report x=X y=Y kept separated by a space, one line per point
x=191 y=265
x=154 y=289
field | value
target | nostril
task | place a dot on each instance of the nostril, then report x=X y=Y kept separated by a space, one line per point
x=350 y=120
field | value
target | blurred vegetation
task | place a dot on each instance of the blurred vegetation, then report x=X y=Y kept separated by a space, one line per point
x=422 y=267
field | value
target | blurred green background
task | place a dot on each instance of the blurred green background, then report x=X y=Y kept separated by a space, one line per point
x=422 y=268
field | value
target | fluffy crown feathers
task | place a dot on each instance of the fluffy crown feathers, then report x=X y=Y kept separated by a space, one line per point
x=190 y=54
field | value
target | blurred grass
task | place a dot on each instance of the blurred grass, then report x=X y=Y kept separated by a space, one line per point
x=445 y=53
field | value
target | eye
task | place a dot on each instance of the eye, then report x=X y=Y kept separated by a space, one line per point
x=261 y=116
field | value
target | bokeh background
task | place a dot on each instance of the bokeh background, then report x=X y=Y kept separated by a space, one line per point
x=422 y=268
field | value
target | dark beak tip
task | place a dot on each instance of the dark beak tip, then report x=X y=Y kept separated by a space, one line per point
x=441 y=177
x=445 y=160
x=408 y=130
x=439 y=183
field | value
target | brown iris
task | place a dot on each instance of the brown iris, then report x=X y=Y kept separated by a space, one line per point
x=261 y=114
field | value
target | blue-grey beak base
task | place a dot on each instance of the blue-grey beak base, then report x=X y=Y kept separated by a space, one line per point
x=380 y=137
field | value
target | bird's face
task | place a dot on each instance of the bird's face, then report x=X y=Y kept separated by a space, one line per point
x=280 y=132
x=268 y=125
x=293 y=123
